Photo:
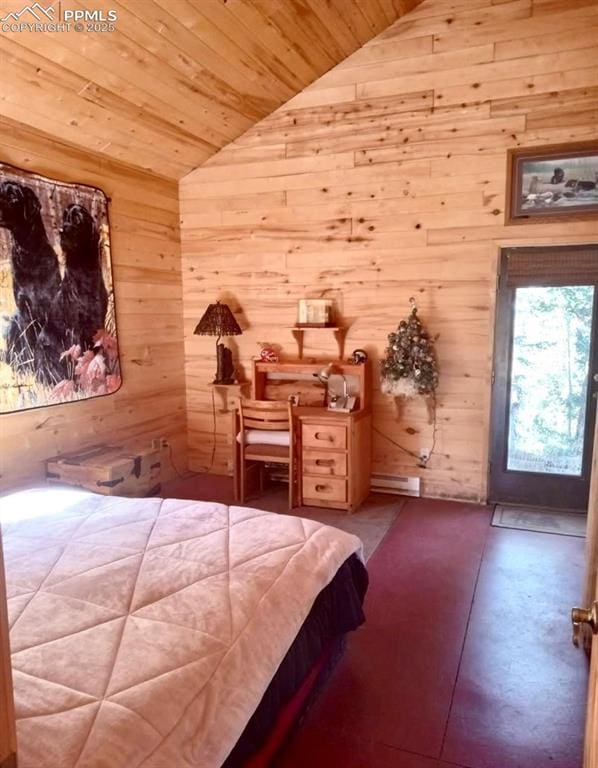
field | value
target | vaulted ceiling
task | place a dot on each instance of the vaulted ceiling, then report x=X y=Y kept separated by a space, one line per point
x=175 y=80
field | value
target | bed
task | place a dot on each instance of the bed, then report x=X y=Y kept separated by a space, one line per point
x=165 y=632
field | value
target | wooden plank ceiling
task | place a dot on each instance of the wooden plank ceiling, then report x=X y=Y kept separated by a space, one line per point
x=177 y=79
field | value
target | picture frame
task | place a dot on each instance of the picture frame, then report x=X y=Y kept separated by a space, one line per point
x=315 y=313
x=552 y=182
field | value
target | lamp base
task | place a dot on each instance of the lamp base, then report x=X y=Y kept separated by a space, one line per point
x=225 y=370
x=342 y=404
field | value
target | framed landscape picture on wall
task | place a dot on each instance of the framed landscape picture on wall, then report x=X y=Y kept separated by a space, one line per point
x=58 y=340
x=552 y=182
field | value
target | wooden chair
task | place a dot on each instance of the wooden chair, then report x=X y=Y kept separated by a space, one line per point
x=266 y=415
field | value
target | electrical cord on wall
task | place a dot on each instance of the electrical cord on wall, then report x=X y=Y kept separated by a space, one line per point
x=171 y=459
x=422 y=462
x=434 y=434
x=398 y=445
x=209 y=469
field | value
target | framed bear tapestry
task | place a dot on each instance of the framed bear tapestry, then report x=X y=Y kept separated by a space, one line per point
x=58 y=340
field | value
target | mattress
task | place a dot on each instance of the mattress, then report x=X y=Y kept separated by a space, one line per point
x=145 y=632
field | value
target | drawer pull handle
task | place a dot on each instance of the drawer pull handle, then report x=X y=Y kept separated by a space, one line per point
x=325 y=462
x=325 y=436
x=321 y=488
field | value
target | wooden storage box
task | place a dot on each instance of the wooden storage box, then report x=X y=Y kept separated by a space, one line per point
x=112 y=470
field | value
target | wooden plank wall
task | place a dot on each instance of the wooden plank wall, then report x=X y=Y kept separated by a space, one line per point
x=385 y=179
x=147 y=280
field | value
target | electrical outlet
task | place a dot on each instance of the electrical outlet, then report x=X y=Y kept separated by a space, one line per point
x=164 y=442
x=159 y=442
x=424 y=454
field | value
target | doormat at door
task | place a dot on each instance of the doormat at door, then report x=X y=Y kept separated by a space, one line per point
x=541 y=520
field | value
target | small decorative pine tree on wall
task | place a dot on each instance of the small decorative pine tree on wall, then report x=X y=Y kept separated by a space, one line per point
x=409 y=367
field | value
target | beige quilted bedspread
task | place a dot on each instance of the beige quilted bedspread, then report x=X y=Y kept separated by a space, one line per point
x=145 y=631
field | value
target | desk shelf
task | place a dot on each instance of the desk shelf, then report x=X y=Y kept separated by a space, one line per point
x=276 y=381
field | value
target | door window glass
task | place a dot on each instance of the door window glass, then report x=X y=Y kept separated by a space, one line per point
x=549 y=379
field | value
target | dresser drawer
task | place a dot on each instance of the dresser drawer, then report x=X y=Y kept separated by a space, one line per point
x=325 y=488
x=323 y=436
x=324 y=463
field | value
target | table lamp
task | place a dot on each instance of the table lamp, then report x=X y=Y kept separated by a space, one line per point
x=335 y=403
x=219 y=321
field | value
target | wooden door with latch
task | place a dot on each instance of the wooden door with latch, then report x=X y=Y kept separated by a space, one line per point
x=585 y=620
x=545 y=376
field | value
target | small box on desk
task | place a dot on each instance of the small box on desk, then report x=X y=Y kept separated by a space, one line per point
x=108 y=469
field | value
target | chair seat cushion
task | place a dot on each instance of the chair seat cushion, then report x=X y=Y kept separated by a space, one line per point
x=265 y=437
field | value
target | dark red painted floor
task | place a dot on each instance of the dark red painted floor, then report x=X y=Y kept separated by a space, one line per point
x=465 y=658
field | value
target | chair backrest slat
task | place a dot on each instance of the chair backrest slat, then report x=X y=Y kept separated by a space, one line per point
x=265 y=425
x=264 y=405
x=265 y=414
x=269 y=416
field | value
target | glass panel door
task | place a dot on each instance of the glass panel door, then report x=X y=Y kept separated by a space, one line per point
x=545 y=375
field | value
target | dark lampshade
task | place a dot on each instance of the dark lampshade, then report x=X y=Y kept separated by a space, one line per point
x=219 y=321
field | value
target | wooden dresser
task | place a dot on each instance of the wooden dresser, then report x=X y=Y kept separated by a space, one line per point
x=333 y=447
x=334 y=457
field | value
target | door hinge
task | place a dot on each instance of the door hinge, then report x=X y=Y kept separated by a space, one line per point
x=492 y=377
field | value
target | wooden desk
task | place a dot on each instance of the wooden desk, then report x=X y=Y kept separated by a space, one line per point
x=333 y=448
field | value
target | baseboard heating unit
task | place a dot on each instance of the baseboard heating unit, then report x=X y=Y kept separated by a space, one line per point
x=399 y=484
